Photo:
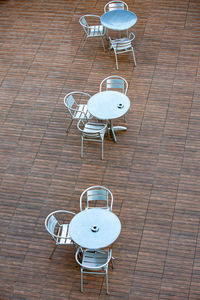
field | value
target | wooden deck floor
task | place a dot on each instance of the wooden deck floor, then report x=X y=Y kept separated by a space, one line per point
x=153 y=170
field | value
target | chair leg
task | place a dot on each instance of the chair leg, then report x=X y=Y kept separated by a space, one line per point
x=84 y=41
x=112 y=262
x=103 y=44
x=116 y=60
x=106 y=33
x=53 y=251
x=134 y=57
x=69 y=126
x=107 y=292
x=102 y=150
x=81 y=280
x=81 y=147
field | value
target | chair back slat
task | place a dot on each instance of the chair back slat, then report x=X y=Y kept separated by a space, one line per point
x=116 y=6
x=115 y=84
x=123 y=45
x=99 y=195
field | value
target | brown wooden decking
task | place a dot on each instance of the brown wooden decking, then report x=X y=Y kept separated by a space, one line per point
x=153 y=170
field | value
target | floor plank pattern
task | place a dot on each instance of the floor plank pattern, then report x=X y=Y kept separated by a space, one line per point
x=153 y=170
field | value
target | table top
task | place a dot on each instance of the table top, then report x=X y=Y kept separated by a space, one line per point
x=94 y=228
x=108 y=105
x=118 y=19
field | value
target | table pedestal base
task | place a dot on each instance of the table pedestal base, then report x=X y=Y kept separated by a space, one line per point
x=116 y=128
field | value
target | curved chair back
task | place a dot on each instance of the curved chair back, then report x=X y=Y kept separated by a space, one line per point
x=96 y=196
x=75 y=108
x=114 y=82
x=57 y=225
x=92 y=132
x=92 y=27
x=93 y=261
x=115 y=5
x=123 y=45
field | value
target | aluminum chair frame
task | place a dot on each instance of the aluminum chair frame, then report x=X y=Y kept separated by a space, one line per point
x=115 y=5
x=96 y=193
x=123 y=45
x=91 y=131
x=94 y=262
x=76 y=110
x=92 y=30
x=58 y=231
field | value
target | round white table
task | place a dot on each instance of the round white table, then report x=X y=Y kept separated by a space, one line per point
x=109 y=105
x=118 y=19
x=94 y=228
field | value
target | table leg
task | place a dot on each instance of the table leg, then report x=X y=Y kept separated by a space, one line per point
x=115 y=128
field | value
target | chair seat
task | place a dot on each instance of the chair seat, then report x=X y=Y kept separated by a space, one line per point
x=64 y=237
x=82 y=112
x=96 y=30
x=92 y=260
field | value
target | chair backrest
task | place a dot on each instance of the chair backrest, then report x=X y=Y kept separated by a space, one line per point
x=116 y=83
x=71 y=104
x=96 y=196
x=90 y=130
x=51 y=225
x=93 y=259
x=115 y=5
x=91 y=24
x=55 y=220
x=123 y=44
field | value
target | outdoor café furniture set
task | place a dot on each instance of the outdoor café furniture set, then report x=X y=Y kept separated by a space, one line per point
x=92 y=231
x=116 y=17
x=111 y=102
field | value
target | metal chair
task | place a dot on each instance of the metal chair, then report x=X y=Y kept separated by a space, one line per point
x=114 y=83
x=123 y=45
x=95 y=262
x=99 y=196
x=76 y=110
x=91 y=132
x=115 y=5
x=57 y=225
x=95 y=30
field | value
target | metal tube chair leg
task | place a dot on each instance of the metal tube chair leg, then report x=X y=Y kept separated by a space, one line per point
x=112 y=262
x=102 y=150
x=68 y=128
x=106 y=33
x=134 y=58
x=116 y=61
x=103 y=43
x=81 y=147
x=81 y=280
x=53 y=251
x=84 y=41
x=107 y=292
